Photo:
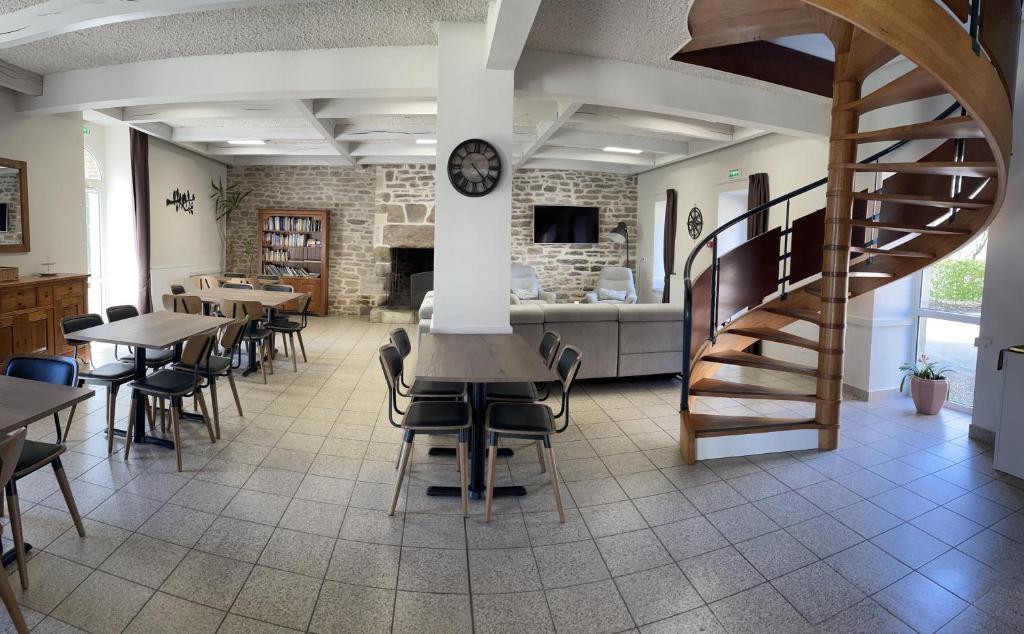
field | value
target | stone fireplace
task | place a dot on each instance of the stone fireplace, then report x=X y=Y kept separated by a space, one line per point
x=405 y=283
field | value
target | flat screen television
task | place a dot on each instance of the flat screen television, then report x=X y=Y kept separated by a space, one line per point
x=564 y=224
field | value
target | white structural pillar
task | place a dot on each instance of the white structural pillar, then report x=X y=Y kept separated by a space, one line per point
x=471 y=235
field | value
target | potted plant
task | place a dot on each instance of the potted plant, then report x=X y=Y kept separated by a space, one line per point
x=226 y=200
x=928 y=385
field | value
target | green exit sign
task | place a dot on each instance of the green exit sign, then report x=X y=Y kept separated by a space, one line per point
x=85 y=130
x=735 y=173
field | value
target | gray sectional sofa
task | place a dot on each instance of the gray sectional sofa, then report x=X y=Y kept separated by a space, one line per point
x=615 y=339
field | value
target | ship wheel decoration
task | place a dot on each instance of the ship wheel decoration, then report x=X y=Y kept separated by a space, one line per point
x=695 y=222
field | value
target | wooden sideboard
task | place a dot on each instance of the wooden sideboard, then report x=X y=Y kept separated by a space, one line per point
x=31 y=308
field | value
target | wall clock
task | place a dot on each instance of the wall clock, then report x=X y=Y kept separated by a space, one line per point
x=474 y=168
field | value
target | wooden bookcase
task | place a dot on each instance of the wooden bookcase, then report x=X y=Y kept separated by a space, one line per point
x=294 y=245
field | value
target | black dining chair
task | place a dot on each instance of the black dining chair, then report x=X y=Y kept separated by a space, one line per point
x=219 y=365
x=531 y=421
x=256 y=334
x=529 y=392
x=36 y=454
x=233 y=276
x=242 y=286
x=154 y=358
x=175 y=385
x=422 y=388
x=429 y=417
x=177 y=289
x=288 y=328
x=109 y=375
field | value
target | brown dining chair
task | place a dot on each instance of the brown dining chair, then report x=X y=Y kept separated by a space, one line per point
x=256 y=333
x=218 y=365
x=208 y=281
x=10 y=449
x=188 y=304
x=288 y=328
x=240 y=286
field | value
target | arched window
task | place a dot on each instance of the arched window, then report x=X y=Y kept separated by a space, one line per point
x=92 y=168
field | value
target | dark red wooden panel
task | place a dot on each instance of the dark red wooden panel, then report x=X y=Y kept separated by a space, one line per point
x=1000 y=30
x=748 y=273
x=806 y=245
x=701 y=311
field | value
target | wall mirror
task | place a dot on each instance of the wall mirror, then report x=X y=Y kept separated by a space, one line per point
x=14 y=236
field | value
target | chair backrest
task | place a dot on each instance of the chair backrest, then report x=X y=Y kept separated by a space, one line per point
x=231 y=276
x=177 y=289
x=188 y=304
x=208 y=281
x=616 y=278
x=568 y=367
x=45 y=368
x=10 y=451
x=237 y=285
x=549 y=346
x=197 y=350
x=232 y=335
x=250 y=310
x=304 y=303
x=124 y=311
x=523 y=276
x=400 y=339
x=280 y=288
x=392 y=365
x=268 y=278
x=69 y=325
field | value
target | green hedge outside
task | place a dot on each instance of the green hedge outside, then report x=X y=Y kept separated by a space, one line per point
x=957 y=281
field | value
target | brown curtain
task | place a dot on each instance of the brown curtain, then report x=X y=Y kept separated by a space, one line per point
x=140 y=193
x=669 y=250
x=757 y=194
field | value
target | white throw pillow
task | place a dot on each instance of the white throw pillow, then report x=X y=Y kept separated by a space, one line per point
x=607 y=293
x=527 y=293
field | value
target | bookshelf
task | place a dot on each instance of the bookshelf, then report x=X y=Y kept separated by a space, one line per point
x=294 y=246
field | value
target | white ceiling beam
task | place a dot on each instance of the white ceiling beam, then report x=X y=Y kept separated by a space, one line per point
x=325 y=127
x=392 y=149
x=545 y=129
x=380 y=71
x=344 y=108
x=590 y=156
x=618 y=84
x=359 y=133
x=397 y=160
x=568 y=137
x=20 y=80
x=219 y=135
x=508 y=26
x=281 y=159
x=312 y=149
x=248 y=110
x=586 y=166
x=54 y=17
x=162 y=131
x=618 y=120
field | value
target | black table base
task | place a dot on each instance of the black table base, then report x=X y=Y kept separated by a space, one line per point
x=503 y=452
x=454 y=492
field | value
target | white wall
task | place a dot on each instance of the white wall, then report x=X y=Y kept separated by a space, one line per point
x=472 y=235
x=121 y=279
x=53 y=148
x=182 y=244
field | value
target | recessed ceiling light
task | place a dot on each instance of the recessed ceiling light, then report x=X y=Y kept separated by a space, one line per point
x=427 y=141
x=622 y=150
x=247 y=142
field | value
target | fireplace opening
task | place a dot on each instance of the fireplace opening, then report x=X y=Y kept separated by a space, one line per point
x=411 y=277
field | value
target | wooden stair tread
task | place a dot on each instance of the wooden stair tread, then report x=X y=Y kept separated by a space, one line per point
x=870 y=274
x=911 y=86
x=803 y=314
x=938 y=168
x=728 y=389
x=923 y=200
x=899 y=226
x=718 y=425
x=952 y=128
x=896 y=253
x=745 y=359
x=815 y=289
x=777 y=336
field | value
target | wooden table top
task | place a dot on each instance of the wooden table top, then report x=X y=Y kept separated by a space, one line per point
x=23 y=401
x=480 y=359
x=269 y=299
x=158 y=330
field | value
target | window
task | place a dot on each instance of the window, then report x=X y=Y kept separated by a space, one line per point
x=949 y=315
x=94 y=230
x=658 y=249
x=92 y=167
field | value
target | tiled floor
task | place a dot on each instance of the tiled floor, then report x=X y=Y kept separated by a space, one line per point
x=282 y=523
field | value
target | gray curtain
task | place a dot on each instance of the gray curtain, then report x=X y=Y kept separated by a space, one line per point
x=669 y=251
x=757 y=194
x=140 y=193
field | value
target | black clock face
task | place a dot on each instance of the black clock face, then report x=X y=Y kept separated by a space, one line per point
x=474 y=167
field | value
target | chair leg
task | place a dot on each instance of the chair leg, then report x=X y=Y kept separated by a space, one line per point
x=540 y=456
x=206 y=415
x=403 y=465
x=11 y=603
x=216 y=406
x=175 y=417
x=151 y=413
x=263 y=366
x=462 y=451
x=234 y=392
x=302 y=346
x=269 y=353
x=111 y=396
x=492 y=459
x=553 y=469
x=16 y=534
x=398 y=460
x=295 y=361
x=284 y=345
x=131 y=425
x=69 y=497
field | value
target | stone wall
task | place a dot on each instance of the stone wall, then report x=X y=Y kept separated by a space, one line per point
x=10 y=193
x=376 y=208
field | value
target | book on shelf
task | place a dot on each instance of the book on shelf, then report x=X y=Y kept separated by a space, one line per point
x=290 y=240
x=289 y=223
x=287 y=271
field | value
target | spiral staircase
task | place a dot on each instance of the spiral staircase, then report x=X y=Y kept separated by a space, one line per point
x=918 y=213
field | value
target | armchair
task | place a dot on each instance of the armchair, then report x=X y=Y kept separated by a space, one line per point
x=613 y=278
x=524 y=278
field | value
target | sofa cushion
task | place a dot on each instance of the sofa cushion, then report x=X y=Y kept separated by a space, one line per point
x=607 y=293
x=526 y=293
x=650 y=312
x=427 y=307
x=526 y=314
x=561 y=313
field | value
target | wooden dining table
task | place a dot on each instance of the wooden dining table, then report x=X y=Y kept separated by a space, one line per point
x=268 y=299
x=153 y=331
x=479 y=360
